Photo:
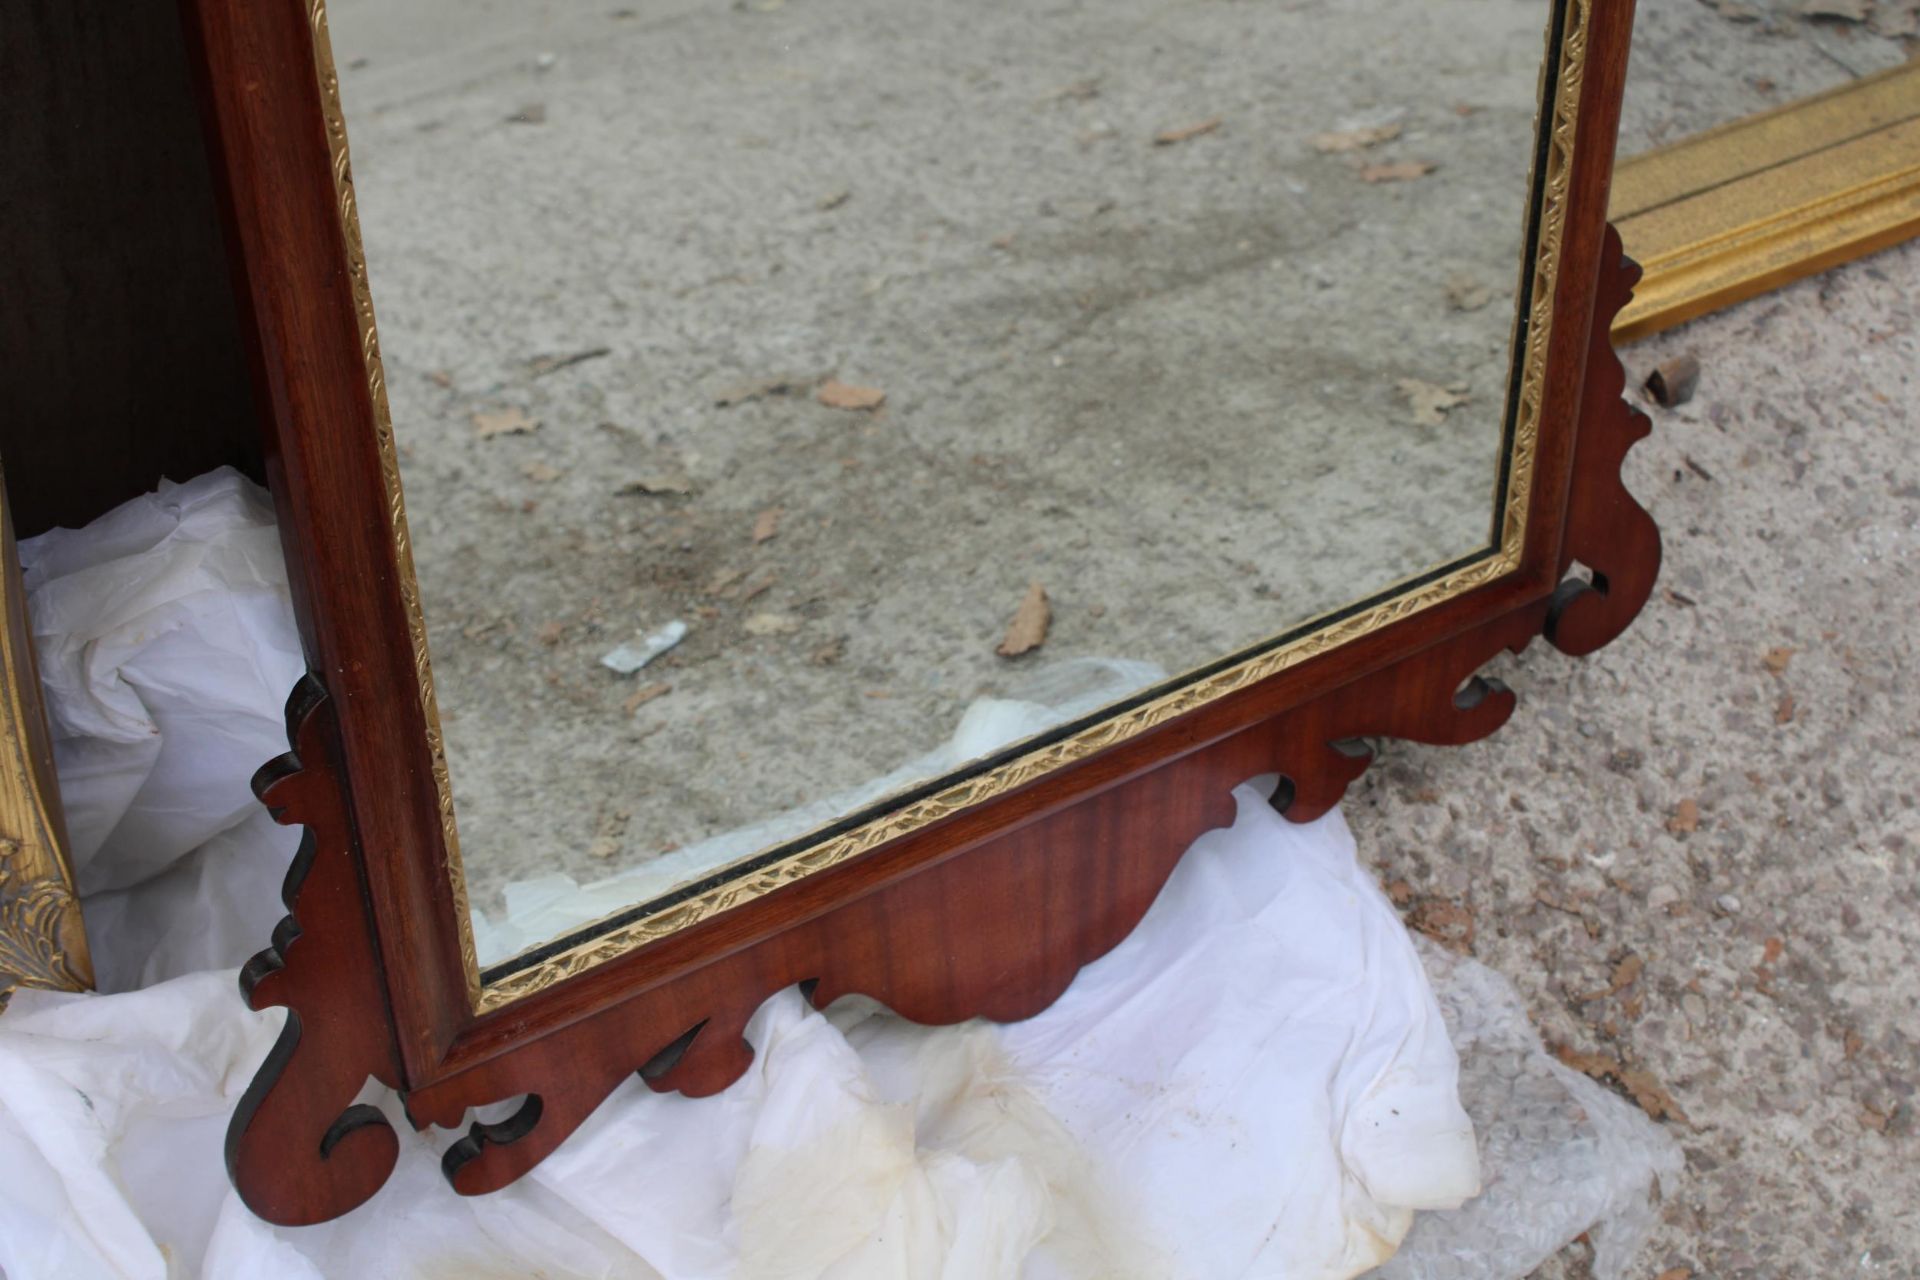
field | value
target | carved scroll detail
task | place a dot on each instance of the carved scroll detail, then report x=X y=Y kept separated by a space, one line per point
x=42 y=943
x=1607 y=530
x=298 y=1150
x=1436 y=698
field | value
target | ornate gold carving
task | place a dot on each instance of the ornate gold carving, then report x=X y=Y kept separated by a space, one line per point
x=329 y=81
x=43 y=942
x=1553 y=187
x=42 y=939
x=1552 y=184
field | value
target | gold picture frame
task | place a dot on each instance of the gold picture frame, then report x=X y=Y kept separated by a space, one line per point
x=43 y=941
x=1755 y=205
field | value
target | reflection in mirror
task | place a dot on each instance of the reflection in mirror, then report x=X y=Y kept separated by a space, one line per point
x=798 y=399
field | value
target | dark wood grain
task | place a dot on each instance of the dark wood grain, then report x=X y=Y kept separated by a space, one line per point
x=299 y=1149
x=1585 y=262
x=1607 y=531
x=294 y=277
x=989 y=913
x=997 y=931
x=121 y=360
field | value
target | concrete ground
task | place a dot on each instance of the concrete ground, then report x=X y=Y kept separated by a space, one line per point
x=1695 y=852
x=1725 y=805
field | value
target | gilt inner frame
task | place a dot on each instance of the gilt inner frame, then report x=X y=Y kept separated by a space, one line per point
x=1562 y=76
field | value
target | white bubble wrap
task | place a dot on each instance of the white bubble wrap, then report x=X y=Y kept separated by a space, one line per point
x=1559 y=1154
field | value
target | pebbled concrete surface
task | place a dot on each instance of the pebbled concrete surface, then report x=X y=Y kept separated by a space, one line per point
x=1727 y=800
x=1772 y=685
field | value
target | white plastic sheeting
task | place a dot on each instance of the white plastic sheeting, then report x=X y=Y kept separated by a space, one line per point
x=1257 y=1083
x=1562 y=1154
x=167 y=651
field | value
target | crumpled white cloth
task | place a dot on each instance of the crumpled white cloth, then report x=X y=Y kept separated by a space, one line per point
x=1257 y=1083
x=167 y=649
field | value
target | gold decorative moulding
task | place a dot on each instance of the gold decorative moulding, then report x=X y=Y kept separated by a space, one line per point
x=1755 y=205
x=42 y=940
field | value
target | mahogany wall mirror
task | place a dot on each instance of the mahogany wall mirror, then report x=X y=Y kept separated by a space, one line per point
x=878 y=475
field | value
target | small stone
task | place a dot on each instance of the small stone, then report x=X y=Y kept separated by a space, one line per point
x=1626 y=760
x=1727 y=905
x=1673 y=383
x=1835 y=10
x=771 y=624
x=1464 y=293
x=629 y=658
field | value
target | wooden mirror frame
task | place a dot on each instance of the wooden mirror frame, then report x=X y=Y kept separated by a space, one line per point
x=981 y=898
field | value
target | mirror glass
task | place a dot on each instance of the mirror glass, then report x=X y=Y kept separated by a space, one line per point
x=798 y=400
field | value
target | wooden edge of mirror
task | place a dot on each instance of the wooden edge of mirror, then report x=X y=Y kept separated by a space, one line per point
x=987 y=913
